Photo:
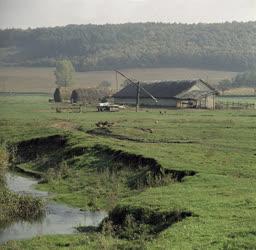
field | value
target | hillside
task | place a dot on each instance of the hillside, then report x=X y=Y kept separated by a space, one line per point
x=229 y=46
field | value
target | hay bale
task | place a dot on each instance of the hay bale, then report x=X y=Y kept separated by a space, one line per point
x=89 y=95
x=62 y=94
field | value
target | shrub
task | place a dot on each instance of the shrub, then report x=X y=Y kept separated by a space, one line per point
x=4 y=157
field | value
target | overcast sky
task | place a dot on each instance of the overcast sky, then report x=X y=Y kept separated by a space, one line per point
x=39 y=13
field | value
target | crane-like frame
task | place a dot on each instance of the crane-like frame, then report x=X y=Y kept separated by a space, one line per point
x=139 y=88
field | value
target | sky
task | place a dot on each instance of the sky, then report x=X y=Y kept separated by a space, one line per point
x=48 y=13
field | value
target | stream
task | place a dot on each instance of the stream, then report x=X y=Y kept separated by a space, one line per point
x=59 y=218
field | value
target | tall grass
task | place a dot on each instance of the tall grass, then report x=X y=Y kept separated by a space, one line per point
x=4 y=157
x=13 y=206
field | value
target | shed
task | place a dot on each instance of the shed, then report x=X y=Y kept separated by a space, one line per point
x=62 y=94
x=187 y=93
x=88 y=96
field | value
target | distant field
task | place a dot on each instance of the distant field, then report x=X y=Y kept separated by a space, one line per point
x=29 y=79
x=238 y=95
x=240 y=91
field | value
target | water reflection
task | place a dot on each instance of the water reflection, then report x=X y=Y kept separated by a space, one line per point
x=59 y=219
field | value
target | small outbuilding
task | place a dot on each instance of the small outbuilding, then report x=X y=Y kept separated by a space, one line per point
x=62 y=94
x=88 y=96
x=180 y=94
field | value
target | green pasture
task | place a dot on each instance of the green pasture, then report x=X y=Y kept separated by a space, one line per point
x=219 y=145
x=237 y=99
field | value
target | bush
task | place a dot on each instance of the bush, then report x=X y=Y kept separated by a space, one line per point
x=4 y=157
x=13 y=206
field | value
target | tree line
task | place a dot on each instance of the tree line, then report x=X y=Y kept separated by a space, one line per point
x=227 y=46
x=244 y=79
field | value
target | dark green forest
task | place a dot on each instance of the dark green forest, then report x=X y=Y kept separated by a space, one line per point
x=226 y=46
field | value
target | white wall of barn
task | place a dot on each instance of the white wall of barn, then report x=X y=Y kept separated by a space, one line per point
x=206 y=102
x=199 y=86
x=210 y=102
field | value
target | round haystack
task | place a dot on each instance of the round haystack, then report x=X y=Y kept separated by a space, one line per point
x=88 y=96
x=62 y=94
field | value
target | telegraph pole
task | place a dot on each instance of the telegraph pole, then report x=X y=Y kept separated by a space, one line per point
x=139 y=87
x=116 y=82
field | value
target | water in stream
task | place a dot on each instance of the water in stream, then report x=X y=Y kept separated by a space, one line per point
x=59 y=218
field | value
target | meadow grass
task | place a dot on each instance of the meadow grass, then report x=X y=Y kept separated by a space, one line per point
x=221 y=196
x=237 y=99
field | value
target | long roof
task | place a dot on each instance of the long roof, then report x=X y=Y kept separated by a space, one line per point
x=159 y=89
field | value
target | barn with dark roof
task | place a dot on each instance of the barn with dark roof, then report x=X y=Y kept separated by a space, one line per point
x=186 y=94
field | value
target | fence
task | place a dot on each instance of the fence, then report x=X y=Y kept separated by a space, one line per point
x=66 y=107
x=234 y=105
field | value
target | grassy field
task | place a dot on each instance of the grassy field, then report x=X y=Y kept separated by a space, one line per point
x=236 y=99
x=218 y=145
x=18 y=79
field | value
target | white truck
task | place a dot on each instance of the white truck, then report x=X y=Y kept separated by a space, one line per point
x=106 y=106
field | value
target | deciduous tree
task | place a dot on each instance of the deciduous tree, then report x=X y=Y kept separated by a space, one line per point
x=64 y=73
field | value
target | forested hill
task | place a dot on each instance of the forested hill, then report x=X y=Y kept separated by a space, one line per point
x=216 y=46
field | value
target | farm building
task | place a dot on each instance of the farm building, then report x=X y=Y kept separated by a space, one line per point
x=62 y=94
x=88 y=96
x=181 y=94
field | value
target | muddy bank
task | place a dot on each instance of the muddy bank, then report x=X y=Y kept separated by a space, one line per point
x=149 y=171
x=32 y=149
x=53 y=147
x=55 y=150
x=139 y=161
x=28 y=172
x=137 y=223
x=127 y=222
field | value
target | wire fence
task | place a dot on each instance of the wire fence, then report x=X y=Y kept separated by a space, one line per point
x=237 y=98
x=234 y=105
